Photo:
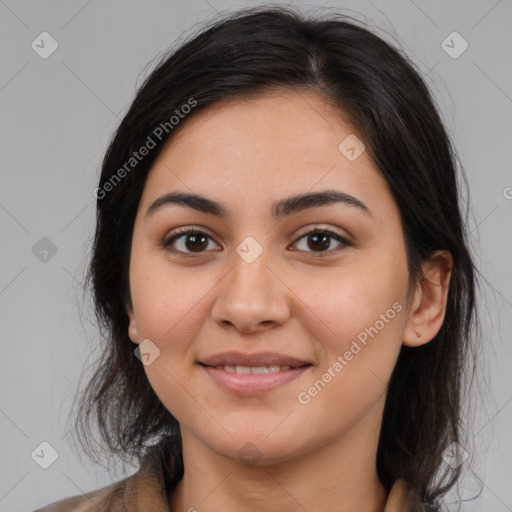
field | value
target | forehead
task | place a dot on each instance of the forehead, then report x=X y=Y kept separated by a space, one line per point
x=263 y=149
x=287 y=123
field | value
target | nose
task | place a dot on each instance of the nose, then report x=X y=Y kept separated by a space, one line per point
x=252 y=297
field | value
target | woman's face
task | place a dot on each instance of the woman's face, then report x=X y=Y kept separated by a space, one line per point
x=255 y=280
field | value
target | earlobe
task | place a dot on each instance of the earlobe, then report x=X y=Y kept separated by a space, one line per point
x=429 y=305
x=132 y=326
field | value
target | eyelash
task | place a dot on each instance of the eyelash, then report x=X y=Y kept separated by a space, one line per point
x=181 y=232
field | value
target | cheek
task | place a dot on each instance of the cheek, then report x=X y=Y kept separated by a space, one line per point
x=167 y=299
x=348 y=302
x=359 y=337
x=358 y=321
x=169 y=307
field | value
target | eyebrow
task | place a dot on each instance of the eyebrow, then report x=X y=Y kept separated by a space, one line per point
x=279 y=209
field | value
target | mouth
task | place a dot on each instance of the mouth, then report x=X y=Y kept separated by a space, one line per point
x=253 y=380
x=255 y=370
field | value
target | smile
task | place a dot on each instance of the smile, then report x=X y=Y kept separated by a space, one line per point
x=252 y=380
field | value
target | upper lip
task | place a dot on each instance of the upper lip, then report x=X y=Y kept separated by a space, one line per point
x=256 y=359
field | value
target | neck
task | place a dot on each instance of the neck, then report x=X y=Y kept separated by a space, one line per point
x=340 y=475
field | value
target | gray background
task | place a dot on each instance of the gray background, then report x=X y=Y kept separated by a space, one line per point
x=57 y=115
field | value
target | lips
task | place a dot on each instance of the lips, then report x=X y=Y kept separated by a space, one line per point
x=245 y=374
x=252 y=384
x=255 y=360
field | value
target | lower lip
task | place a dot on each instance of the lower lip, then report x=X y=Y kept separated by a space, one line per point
x=249 y=384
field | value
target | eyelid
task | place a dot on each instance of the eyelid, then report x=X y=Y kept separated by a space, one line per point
x=319 y=228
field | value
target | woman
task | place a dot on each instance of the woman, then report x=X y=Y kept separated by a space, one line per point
x=280 y=265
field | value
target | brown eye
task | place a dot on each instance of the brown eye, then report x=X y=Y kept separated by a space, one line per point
x=319 y=241
x=195 y=241
x=187 y=241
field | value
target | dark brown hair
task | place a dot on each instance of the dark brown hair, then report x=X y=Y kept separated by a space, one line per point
x=375 y=85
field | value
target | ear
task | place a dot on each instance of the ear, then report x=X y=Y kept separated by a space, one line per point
x=132 y=327
x=428 y=309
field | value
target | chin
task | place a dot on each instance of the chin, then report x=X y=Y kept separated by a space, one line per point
x=257 y=450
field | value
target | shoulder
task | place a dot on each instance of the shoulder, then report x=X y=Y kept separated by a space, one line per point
x=147 y=490
x=99 y=500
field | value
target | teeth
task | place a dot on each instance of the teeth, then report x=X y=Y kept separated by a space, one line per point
x=255 y=370
x=259 y=369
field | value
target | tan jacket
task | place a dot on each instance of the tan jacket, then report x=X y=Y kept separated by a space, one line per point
x=145 y=491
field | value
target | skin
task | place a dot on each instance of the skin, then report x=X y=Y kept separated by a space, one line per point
x=292 y=299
